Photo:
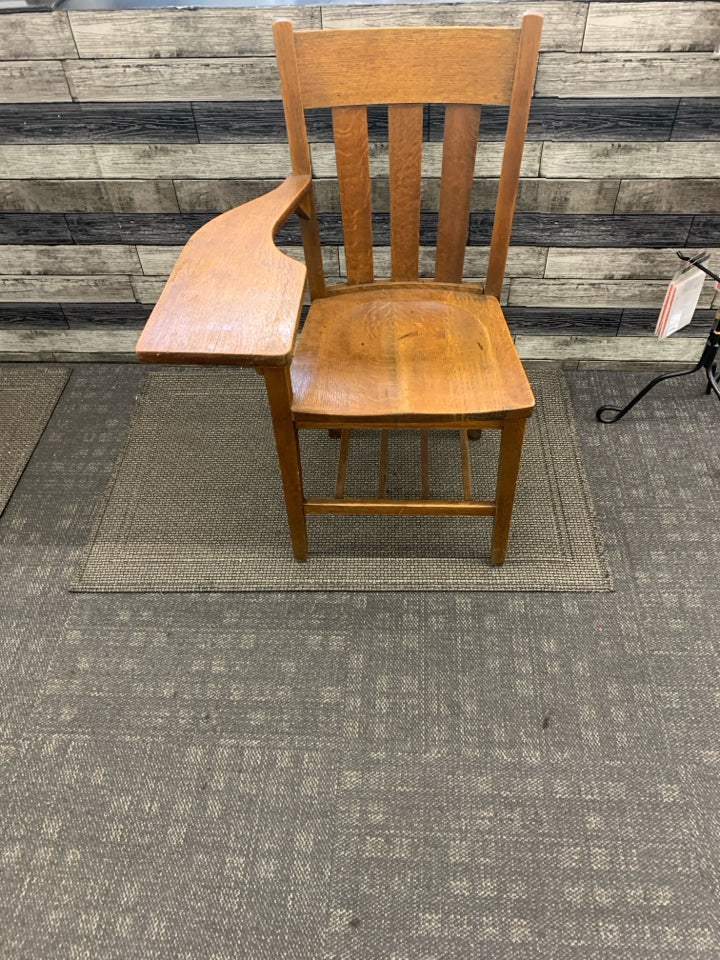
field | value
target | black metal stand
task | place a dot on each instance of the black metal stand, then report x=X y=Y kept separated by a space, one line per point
x=707 y=362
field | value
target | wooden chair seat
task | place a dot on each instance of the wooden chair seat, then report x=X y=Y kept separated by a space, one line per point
x=407 y=353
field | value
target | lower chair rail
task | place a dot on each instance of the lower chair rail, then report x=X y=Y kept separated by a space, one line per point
x=484 y=508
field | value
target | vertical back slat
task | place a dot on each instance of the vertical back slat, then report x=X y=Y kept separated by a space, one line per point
x=299 y=151
x=522 y=92
x=353 y=167
x=462 y=125
x=405 y=127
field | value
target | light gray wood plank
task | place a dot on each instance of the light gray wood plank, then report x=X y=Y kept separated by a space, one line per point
x=239 y=78
x=536 y=195
x=184 y=31
x=77 y=259
x=606 y=159
x=487 y=163
x=67 y=344
x=627 y=75
x=219 y=160
x=36 y=36
x=148 y=289
x=652 y=26
x=563 y=29
x=669 y=196
x=522 y=261
x=33 y=81
x=635 y=263
x=216 y=196
x=608 y=348
x=71 y=289
x=158 y=261
x=88 y=196
x=643 y=294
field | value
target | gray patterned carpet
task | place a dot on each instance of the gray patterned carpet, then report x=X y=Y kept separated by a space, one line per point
x=196 y=502
x=352 y=776
x=27 y=400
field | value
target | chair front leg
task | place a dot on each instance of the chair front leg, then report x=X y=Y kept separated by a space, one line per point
x=279 y=390
x=511 y=445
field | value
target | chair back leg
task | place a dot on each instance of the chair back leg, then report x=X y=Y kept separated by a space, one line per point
x=279 y=391
x=511 y=445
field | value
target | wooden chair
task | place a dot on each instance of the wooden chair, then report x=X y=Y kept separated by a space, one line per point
x=403 y=353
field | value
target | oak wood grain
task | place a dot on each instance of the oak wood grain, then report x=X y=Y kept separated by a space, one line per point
x=405 y=146
x=407 y=352
x=353 y=167
x=462 y=123
x=232 y=297
x=346 y=67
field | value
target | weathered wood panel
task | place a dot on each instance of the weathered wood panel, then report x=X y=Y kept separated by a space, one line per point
x=638 y=263
x=624 y=160
x=641 y=323
x=522 y=261
x=39 y=259
x=596 y=321
x=259 y=122
x=158 y=261
x=132 y=228
x=34 y=228
x=165 y=80
x=184 y=161
x=148 y=289
x=40 y=36
x=627 y=75
x=670 y=196
x=698 y=119
x=596 y=230
x=31 y=315
x=661 y=26
x=563 y=29
x=88 y=196
x=589 y=293
x=93 y=315
x=184 y=32
x=705 y=231
x=607 y=348
x=552 y=118
x=216 y=196
x=97 y=123
x=66 y=288
x=32 y=81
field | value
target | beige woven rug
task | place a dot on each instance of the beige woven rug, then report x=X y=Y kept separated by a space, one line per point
x=195 y=503
x=27 y=399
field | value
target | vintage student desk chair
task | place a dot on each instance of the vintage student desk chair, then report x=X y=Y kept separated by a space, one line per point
x=404 y=353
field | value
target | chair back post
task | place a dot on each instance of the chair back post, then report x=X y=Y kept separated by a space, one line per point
x=522 y=91
x=299 y=151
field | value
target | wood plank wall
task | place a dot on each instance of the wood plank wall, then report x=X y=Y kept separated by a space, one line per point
x=123 y=132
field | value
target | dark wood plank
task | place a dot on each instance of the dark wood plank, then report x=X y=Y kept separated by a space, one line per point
x=641 y=323
x=555 y=118
x=697 y=119
x=26 y=316
x=97 y=123
x=34 y=228
x=704 y=231
x=535 y=229
x=170 y=228
x=81 y=316
x=563 y=321
x=264 y=121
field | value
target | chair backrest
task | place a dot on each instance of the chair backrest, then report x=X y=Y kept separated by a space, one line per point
x=405 y=68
